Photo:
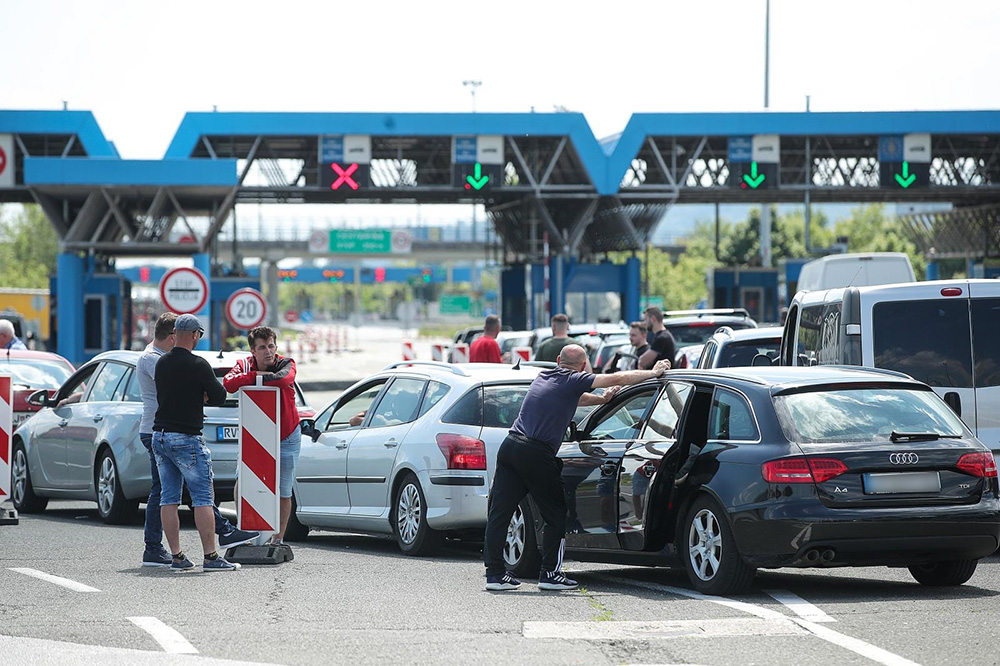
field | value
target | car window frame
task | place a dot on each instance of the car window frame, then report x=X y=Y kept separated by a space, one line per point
x=384 y=394
x=344 y=400
x=747 y=402
x=104 y=367
x=647 y=433
x=611 y=408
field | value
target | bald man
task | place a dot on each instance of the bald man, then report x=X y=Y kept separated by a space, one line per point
x=527 y=462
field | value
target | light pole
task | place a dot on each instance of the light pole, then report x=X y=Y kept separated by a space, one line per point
x=472 y=85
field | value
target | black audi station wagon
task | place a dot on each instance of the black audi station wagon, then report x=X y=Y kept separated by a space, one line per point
x=724 y=472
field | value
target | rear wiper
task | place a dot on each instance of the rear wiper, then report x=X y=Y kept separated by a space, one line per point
x=913 y=436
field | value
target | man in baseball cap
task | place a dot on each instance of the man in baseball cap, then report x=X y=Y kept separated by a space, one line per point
x=188 y=322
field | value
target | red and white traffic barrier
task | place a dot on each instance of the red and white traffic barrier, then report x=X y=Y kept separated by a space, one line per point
x=408 y=353
x=460 y=353
x=257 y=506
x=523 y=352
x=6 y=430
x=439 y=352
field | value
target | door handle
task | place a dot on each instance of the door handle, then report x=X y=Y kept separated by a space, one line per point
x=608 y=468
x=342 y=444
x=98 y=417
x=392 y=443
x=63 y=423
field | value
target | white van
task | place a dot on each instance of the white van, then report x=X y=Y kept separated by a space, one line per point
x=855 y=270
x=945 y=333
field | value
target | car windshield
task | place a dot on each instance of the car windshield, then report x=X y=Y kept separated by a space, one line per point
x=36 y=372
x=864 y=415
x=699 y=332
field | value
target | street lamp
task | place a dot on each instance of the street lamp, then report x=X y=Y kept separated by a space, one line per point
x=472 y=85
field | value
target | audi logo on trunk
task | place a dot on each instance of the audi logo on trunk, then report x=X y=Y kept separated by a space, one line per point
x=904 y=458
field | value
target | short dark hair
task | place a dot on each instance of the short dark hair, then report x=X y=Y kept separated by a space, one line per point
x=639 y=326
x=655 y=313
x=560 y=319
x=164 y=326
x=492 y=323
x=264 y=333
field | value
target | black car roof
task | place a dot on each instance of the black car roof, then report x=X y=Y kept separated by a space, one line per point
x=792 y=377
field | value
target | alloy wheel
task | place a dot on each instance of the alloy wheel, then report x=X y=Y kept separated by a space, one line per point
x=408 y=513
x=705 y=545
x=513 y=547
x=19 y=475
x=107 y=481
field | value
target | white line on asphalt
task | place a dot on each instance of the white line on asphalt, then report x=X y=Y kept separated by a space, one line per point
x=58 y=580
x=652 y=629
x=169 y=638
x=799 y=606
x=867 y=650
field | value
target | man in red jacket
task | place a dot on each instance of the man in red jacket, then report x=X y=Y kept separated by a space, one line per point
x=279 y=371
x=485 y=349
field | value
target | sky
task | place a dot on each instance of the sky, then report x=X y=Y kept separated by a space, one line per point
x=139 y=66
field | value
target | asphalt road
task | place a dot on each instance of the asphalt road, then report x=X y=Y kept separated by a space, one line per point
x=356 y=599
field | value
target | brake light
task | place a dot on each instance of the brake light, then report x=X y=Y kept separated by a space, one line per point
x=951 y=291
x=683 y=361
x=978 y=464
x=462 y=452
x=802 y=470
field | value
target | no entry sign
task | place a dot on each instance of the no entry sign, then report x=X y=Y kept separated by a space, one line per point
x=184 y=290
x=246 y=309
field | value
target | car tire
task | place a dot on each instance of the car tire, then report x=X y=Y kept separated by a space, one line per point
x=409 y=519
x=22 y=492
x=520 y=550
x=112 y=506
x=709 y=551
x=294 y=530
x=944 y=574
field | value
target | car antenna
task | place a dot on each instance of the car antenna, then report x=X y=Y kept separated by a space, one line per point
x=220 y=353
x=517 y=363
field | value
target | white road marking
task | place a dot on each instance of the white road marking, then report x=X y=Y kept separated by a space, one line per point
x=58 y=580
x=17 y=650
x=169 y=638
x=626 y=629
x=860 y=647
x=799 y=606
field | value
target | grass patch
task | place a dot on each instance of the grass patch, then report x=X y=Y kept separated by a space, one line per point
x=601 y=612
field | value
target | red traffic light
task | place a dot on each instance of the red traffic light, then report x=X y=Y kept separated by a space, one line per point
x=380 y=274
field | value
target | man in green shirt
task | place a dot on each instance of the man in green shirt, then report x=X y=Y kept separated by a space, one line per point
x=549 y=350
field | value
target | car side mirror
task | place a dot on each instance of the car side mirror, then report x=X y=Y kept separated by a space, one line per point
x=761 y=359
x=954 y=401
x=39 y=398
x=308 y=428
x=574 y=432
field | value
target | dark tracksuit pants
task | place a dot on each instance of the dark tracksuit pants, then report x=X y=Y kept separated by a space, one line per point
x=526 y=466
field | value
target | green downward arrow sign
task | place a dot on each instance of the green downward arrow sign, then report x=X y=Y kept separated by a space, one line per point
x=907 y=178
x=753 y=180
x=479 y=181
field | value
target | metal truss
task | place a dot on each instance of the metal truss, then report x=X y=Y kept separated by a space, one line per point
x=959 y=233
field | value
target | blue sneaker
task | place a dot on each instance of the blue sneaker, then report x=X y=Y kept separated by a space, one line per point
x=555 y=580
x=502 y=583
x=156 y=559
x=236 y=538
x=181 y=565
x=220 y=564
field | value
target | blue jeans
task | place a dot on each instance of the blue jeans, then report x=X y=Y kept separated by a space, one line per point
x=290 y=447
x=154 y=527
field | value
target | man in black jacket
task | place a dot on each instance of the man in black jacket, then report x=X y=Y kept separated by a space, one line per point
x=184 y=384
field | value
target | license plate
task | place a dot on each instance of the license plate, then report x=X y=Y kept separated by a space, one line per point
x=21 y=417
x=902 y=482
x=226 y=433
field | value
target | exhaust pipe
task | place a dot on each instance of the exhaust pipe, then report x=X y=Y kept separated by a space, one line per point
x=812 y=556
x=828 y=555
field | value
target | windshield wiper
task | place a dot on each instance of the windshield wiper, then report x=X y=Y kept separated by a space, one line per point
x=913 y=436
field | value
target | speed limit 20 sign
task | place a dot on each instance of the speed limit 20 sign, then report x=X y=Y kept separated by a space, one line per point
x=246 y=309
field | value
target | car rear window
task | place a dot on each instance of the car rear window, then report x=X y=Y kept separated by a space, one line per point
x=501 y=405
x=928 y=340
x=468 y=410
x=863 y=415
x=699 y=332
x=740 y=354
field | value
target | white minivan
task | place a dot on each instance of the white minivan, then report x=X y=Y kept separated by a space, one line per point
x=855 y=270
x=945 y=333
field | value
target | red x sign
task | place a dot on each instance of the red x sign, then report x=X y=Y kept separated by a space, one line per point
x=344 y=176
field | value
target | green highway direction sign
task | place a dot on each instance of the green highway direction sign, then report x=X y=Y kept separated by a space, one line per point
x=364 y=241
x=455 y=304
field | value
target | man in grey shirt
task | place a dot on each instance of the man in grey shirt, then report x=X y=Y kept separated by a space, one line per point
x=155 y=554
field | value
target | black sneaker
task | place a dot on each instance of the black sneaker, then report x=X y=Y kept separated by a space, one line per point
x=502 y=583
x=236 y=537
x=156 y=559
x=555 y=580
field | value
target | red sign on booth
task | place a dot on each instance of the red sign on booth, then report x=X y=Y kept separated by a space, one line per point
x=291 y=316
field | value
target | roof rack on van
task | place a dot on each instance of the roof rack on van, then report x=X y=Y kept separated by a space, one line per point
x=454 y=369
x=711 y=311
x=864 y=368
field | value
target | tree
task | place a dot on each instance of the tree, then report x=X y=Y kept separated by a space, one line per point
x=28 y=248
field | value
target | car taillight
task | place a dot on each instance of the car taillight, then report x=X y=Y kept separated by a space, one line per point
x=462 y=452
x=682 y=362
x=802 y=470
x=978 y=464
